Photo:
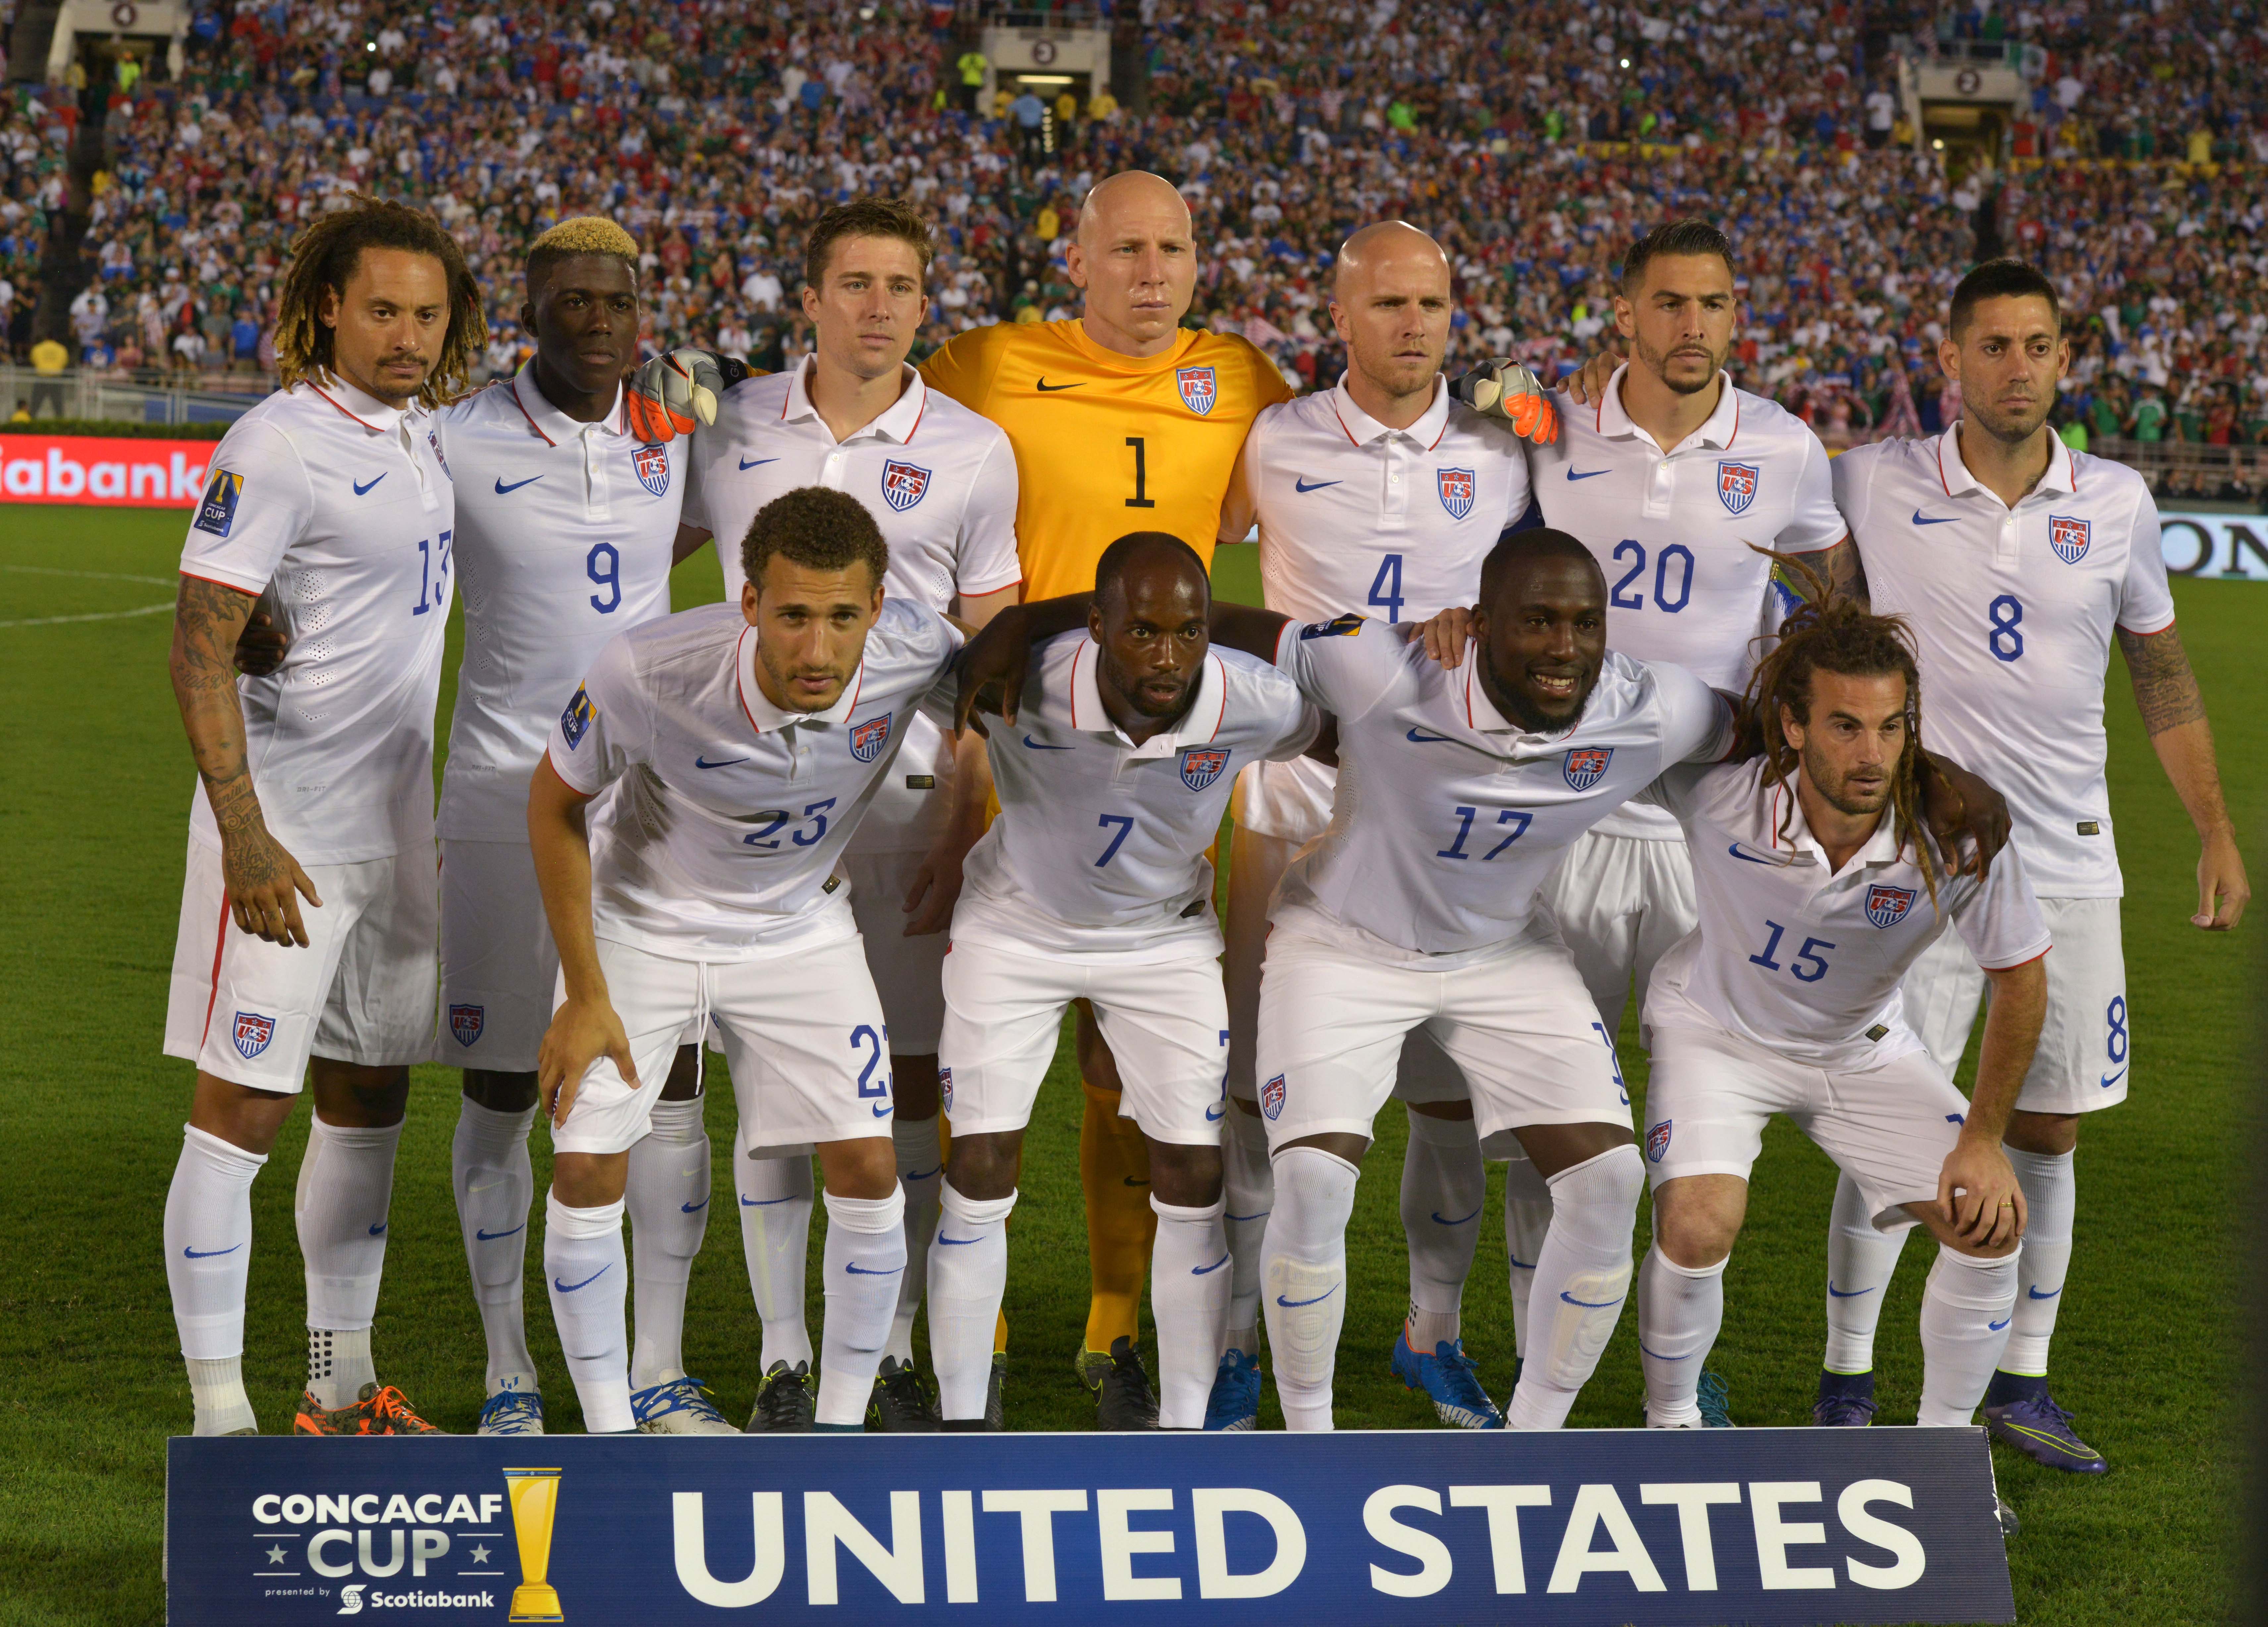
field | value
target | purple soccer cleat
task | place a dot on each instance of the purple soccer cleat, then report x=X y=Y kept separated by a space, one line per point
x=2041 y=1430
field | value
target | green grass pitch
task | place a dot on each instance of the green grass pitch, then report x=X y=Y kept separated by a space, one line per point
x=91 y=820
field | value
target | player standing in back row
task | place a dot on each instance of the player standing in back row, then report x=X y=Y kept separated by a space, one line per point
x=315 y=784
x=2017 y=562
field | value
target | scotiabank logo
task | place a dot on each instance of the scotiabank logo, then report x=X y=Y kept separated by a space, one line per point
x=102 y=470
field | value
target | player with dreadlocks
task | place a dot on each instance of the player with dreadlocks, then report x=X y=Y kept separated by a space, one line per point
x=1818 y=884
x=316 y=785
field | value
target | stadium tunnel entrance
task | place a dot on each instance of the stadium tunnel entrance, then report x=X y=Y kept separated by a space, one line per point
x=1048 y=86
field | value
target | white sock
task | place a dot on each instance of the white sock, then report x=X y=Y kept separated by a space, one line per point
x=208 y=1258
x=1248 y=1187
x=1527 y=1222
x=1188 y=1297
x=346 y=1181
x=2050 y=1184
x=1303 y=1279
x=1965 y=1313
x=668 y=1198
x=1444 y=1188
x=921 y=1172
x=584 y=1268
x=1860 y=1262
x=968 y=1274
x=1582 y=1276
x=496 y=1191
x=1679 y=1309
x=865 y=1256
x=776 y=1199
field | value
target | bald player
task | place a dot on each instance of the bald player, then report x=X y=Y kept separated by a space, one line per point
x=1380 y=495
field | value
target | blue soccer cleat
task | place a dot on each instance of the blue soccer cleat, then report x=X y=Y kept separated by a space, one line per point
x=1715 y=1400
x=511 y=1412
x=1447 y=1378
x=1236 y=1401
x=2041 y=1430
x=1846 y=1401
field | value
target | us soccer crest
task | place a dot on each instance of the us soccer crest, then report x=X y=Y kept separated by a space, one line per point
x=867 y=737
x=1736 y=486
x=903 y=484
x=1456 y=487
x=1199 y=388
x=252 y=1034
x=1657 y=1141
x=2068 y=538
x=467 y=1021
x=1271 y=1097
x=1200 y=765
x=434 y=440
x=945 y=1088
x=1585 y=764
x=652 y=466
x=1886 y=906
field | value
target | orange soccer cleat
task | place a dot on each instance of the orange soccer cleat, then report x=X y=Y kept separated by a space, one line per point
x=379 y=1411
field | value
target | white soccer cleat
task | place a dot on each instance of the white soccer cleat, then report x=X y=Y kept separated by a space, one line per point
x=511 y=1412
x=679 y=1406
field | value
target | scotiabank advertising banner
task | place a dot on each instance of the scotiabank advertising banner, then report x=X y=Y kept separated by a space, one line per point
x=106 y=471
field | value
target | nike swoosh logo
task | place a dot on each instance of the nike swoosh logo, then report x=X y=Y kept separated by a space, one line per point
x=2036 y=1294
x=1525 y=1265
x=489 y=1237
x=693 y=1209
x=1438 y=1221
x=1051 y=389
x=924 y=1174
x=1846 y=1293
x=379 y=1230
x=209 y=1254
x=703 y=762
x=2108 y=1079
x=1942 y=519
x=1300 y=484
x=1586 y=1304
x=1207 y=1271
x=1745 y=858
x=765 y=1203
x=883 y=1110
x=1996 y=1327
x=956 y=1242
x=757 y=463
x=585 y=1283
x=1263 y=1215
x=504 y=491
x=1131 y=1181
x=1294 y=1305
x=1035 y=746
x=857 y=1270
x=1588 y=474
x=1416 y=738
x=1213 y=1114
x=360 y=488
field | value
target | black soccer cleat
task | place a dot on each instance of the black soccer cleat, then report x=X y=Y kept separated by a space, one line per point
x=995 y=1412
x=787 y=1402
x=899 y=1405
x=1125 y=1400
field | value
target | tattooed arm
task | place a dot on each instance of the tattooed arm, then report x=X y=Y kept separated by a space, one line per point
x=1845 y=571
x=263 y=879
x=2173 y=711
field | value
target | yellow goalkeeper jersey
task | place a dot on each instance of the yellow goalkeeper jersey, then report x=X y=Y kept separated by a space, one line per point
x=1108 y=444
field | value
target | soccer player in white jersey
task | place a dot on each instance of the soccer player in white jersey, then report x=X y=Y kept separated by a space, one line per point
x=1380 y=495
x=2018 y=562
x=1817 y=888
x=941 y=482
x=1094 y=884
x=745 y=742
x=316 y=785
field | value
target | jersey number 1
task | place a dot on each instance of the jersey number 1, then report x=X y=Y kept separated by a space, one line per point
x=1141 y=498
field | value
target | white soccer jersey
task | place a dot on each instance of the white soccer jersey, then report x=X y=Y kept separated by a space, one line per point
x=1101 y=843
x=722 y=842
x=564 y=537
x=2013 y=611
x=1671 y=529
x=941 y=483
x=1803 y=959
x=1448 y=818
x=344 y=505
x=1354 y=515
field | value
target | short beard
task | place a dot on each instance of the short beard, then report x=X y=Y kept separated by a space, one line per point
x=1522 y=712
x=1117 y=676
x=1658 y=365
x=2007 y=432
x=1836 y=798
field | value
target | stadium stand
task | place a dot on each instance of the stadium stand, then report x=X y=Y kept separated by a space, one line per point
x=2134 y=167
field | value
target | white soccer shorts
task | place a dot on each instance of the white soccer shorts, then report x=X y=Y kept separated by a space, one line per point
x=1620 y=902
x=1165 y=1021
x=498 y=965
x=804 y=1037
x=1518 y=1023
x=908 y=972
x=2087 y=1045
x=252 y=1013
x=1889 y=1128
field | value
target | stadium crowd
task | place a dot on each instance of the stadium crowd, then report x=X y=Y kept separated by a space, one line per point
x=717 y=131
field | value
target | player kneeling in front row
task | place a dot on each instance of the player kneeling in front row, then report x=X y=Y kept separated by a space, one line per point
x=1817 y=888
x=748 y=741
x=1093 y=883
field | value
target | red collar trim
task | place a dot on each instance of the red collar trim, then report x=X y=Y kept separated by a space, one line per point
x=514 y=387
x=365 y=422
x=1341 y=416
x=740 y=677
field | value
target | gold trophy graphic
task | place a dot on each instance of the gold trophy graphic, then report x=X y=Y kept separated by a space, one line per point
x=534 y=1494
